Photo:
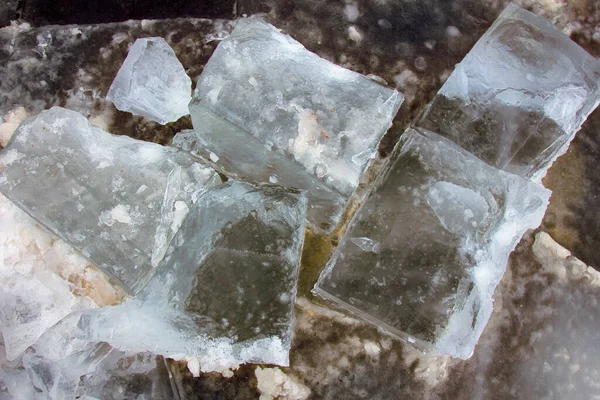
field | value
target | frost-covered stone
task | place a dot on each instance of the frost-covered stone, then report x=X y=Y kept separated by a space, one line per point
x=429 y=245
x=273 y=383
x=152 y=82
x=270 y=110
x=117 y=200
x=518 y=98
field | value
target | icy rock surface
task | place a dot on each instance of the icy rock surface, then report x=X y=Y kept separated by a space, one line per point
x=519 y=96
x=116 y=200
x=271 y=111
x=427 y=248
x=152 y=82
x=224 y=294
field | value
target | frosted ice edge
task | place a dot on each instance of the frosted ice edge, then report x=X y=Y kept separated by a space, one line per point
x=440 y=300
x=152 y=82
x=305 y=114
x=519 y=96
x=103 y=194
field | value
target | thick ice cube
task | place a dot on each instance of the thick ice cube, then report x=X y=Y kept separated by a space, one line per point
x=426 y=249
x=152 y=82
x=225 y=292
x=117 y=200
x=519 y=96
x=271 y=111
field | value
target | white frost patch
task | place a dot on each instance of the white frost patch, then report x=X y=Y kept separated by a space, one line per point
x=372 y=349
x=366 y=244
x=275 y=384
x=351 y=12
x=355 y=34
x=10 y=157
x=141 y=189
x=306 y=148
x=10 y=123
x=120 y=214
x=181 y=210
x=364 y=157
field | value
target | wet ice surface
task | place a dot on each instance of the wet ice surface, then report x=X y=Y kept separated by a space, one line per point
x=152 y=82
x=519 y=96
x=426 y=250
x=302 y=121
x=118 y=201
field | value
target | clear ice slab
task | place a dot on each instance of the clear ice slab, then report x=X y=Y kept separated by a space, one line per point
x=225 y=292
x=267 y=110
x=519 y=96
x=116 y=200
x=423 y=255
x=152 y=82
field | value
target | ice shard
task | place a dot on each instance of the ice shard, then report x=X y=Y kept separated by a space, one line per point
x=152 y=82
x=225 y=292
x=41 y=281
x=116 y=200
x=268 y=110
x=423 y=255
x=519 y=96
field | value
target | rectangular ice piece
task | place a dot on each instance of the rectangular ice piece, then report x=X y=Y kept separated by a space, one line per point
x=152 y=82
x=270 y=111
x=423 y=255
x=224 y=294
x=116 y=200
x=519 y=96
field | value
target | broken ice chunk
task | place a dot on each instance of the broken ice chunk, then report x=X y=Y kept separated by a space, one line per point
x=125 y=376
x=246 y=242
x=518 y=98
x=29 y=306
x=325 y=203
x=117 y=200
x=152 y=82
x=265 y=105
x=428 y=247
x=41 y=280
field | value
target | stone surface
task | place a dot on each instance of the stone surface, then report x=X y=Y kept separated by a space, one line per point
x=519 y=96
x=429 y=245
x=48 y=12
x=118 y=201
x=152 y=82
x=303 y=121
